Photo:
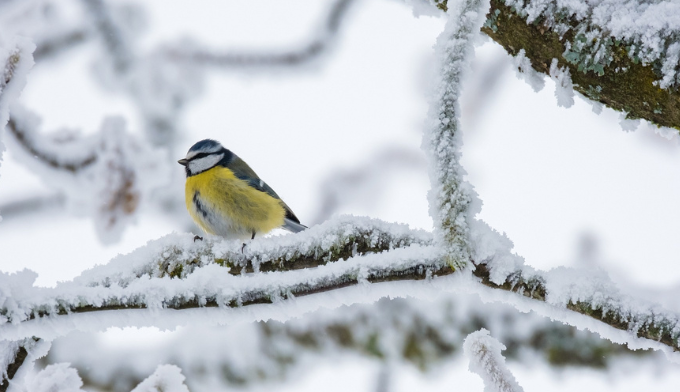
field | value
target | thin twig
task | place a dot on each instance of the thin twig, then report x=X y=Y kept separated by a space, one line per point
x=305 y=53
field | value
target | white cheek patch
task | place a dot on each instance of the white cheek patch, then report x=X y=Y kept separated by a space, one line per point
x=205 y=163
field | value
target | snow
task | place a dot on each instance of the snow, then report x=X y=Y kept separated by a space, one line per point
x=16 y=60
x=484 y=354
x=8 y=350
x=628 y=125
x=55 y=378
x=248 y=353
x=564 y=89
x=649 y=29
x=526 y=72
x=106 y=175
x=166 y=378
x=450 y=195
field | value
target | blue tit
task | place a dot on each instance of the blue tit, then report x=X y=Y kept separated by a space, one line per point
x=225 y=197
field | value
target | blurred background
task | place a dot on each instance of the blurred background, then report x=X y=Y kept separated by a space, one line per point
x=326 y=100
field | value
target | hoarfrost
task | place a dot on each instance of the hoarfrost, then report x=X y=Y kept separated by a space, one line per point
x=450 y=195
x=526 y=72
x=564 y=90
x=649 y=29
x=166 y=378
x=107 y=175
x=628 y=124
x=484 y=354
x=670 y=65
x=16 y=60
x=59 y=377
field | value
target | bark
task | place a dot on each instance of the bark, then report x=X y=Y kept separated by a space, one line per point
x=624 y=85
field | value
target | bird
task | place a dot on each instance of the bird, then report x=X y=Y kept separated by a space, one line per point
x=225 y=197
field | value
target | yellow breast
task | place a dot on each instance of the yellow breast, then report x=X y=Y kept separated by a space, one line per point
x=225 y=205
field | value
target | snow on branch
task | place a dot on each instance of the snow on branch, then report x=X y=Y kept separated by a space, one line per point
x=422 y=333
x=213 y=283
x=177 y=273
x=591 y=294
x=106 y=175
x=450 y=196
x=323 y=38
x=159 y=88
x=166 y=378
x=15 y=59
x=17 y=359
x=484 y=354
x=623 y=54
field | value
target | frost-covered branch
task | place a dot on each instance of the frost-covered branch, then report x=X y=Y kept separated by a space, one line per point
x=624 y=55
x=177 y=273
x=422 y=333
x=12 y=356
x=25 y=136
x=15 y=59
x=30 y=205
x=55 y=43
x=158 y=87
x=484 y=354
x=16 y=357
x=142 y=279
x=321 y=41
x=594 y=296
x=450 y=196
x=111 y=35
x=107 y=174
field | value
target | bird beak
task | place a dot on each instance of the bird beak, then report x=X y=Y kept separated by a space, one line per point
x=183 y=162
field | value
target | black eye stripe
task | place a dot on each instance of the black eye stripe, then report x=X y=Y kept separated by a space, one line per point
x=200 y=155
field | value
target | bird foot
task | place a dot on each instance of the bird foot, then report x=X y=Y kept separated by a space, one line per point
x=197 y=238
x=243 y=247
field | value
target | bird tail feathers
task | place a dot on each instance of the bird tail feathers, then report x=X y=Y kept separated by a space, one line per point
x=293 y=226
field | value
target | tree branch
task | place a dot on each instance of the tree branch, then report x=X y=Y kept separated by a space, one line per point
x=140 y=280
x=424 y=334
x=26 y=139
x=615 y=68
x=289 y=58
x=54 y=44
x=653 y=324
x=9 y=369
x=19 y=354
x=620 y=81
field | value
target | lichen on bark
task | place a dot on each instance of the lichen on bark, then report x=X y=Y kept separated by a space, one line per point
x=621 y=83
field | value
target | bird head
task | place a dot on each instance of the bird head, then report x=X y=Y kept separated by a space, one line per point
x=202 y=156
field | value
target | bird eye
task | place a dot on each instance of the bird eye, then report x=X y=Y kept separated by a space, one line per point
x=199 y=156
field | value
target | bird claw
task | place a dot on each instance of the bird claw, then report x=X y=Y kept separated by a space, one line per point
x=197 y=238
x=243 y=247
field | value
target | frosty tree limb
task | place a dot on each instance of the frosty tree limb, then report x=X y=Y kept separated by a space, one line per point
x=25 y=139
x=484 y=354
x=54 y=44
x=109 y=174
x=119 y=50
x=15 y=61
x=424 y=334
x=621 y=56
x=652 y=323
x=140 y=280
x=12 y=356
x=318 y=44
x=450 y=196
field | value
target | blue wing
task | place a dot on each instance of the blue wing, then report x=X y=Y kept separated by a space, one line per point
x=245 y=173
